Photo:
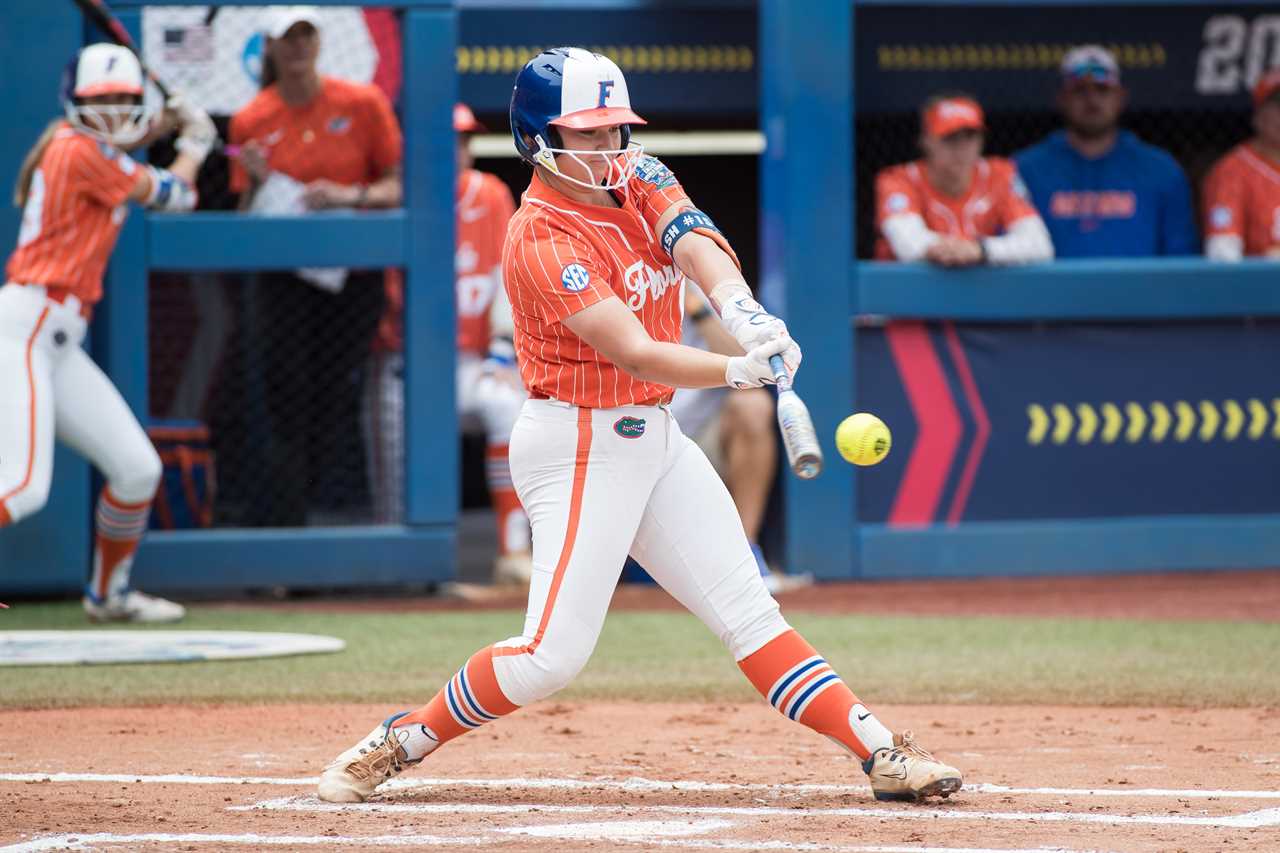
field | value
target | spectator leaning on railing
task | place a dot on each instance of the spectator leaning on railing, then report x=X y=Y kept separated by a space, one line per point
x=1101 y=190
x=955 y=207
x=310 y=142
x=1242 y=193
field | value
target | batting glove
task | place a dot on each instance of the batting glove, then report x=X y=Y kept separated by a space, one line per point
x=751 y=326
x=753 y=370
x=198 y=135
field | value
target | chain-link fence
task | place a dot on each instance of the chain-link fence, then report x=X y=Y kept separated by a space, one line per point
x=276 y=365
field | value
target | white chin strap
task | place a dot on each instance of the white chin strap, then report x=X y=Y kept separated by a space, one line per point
x=130 y=121
x=621 y=162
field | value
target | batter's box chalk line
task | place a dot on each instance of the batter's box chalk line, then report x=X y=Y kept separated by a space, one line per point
x=1248 y=820
x=634 y=783
x=616 y=835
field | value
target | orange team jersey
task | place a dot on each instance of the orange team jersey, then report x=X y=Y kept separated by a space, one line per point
x=346 y=134
x=73 y=215
x=482 y=208
x=561 y=257
x=996 y=199
x=1242 y=198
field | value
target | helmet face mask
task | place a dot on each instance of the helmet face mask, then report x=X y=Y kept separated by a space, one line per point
x=103 y=95
x=573 y=89
x=620 y=163
x=120 y=125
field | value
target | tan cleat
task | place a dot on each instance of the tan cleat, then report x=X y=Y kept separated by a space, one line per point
x=907 y=772
x=355 y=774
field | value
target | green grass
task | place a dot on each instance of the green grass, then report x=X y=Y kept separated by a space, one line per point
x=400 y=659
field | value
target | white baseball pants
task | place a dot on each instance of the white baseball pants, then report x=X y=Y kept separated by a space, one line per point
x=50 y=387
x=598 y=484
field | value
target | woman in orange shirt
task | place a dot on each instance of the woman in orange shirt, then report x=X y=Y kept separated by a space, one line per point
x=595 y=262
x=73 y=188
x=318 y=143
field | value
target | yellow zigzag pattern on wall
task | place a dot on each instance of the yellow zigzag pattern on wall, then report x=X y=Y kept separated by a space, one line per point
x=994 y=56
x=1156 y=422
x=651 y=58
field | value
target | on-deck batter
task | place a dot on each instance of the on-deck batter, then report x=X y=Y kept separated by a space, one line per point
x=593 y=264
x=73 y=190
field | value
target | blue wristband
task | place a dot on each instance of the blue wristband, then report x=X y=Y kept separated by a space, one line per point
x=685 y=221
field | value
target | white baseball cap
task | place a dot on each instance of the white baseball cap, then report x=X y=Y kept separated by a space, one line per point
x=279 y=19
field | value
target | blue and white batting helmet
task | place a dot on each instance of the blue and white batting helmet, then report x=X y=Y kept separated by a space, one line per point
x=567 y=87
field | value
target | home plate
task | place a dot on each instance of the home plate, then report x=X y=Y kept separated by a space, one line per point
x=47 y=648
x=622 y=829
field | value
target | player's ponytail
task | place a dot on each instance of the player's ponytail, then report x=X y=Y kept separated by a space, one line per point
x=22 y=189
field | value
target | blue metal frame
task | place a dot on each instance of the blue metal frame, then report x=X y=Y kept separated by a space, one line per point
x=418 y=238
x=1069 y=290
x=44 y=554
x=807 y=192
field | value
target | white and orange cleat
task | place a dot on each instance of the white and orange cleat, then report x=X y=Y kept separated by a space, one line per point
x=907 y=772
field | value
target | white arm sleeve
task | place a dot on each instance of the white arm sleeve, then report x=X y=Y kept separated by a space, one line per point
x=500 y=320
x=908 y=236
x=1027 y=241
x=1224 y=247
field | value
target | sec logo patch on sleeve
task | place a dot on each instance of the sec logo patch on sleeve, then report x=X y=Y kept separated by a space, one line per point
x=575 y=278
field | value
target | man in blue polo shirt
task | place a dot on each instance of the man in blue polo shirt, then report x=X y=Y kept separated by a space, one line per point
x=1101 y=190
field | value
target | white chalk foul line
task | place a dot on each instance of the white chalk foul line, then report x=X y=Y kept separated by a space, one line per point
x=632 y=784
x=86 y=841
x=1248 y=820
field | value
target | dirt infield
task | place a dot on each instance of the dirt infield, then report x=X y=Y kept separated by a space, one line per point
x=1253 y=596
x=621 y=776
x=644 y=776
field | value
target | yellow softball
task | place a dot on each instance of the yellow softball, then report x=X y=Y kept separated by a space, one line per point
x=863 y=439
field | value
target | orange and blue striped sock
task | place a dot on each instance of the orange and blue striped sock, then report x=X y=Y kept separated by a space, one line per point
x=469 y=700
x=803 y=687
x=119 y=529
x=513 y=525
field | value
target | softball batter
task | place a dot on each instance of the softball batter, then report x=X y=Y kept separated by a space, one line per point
x=73 y=188
x=593 y=264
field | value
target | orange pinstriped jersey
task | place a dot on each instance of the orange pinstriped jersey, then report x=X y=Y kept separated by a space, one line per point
x=73 y=215
x=561 y=257
x=996 y=199
x=482 y=209
x=1242 y=197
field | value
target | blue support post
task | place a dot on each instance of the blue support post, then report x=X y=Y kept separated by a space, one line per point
x=119 y=337
x=44 y=554
x=806 y=76
x=429 y=37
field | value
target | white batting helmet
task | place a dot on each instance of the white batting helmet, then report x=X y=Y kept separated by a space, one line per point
x=106 y=69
